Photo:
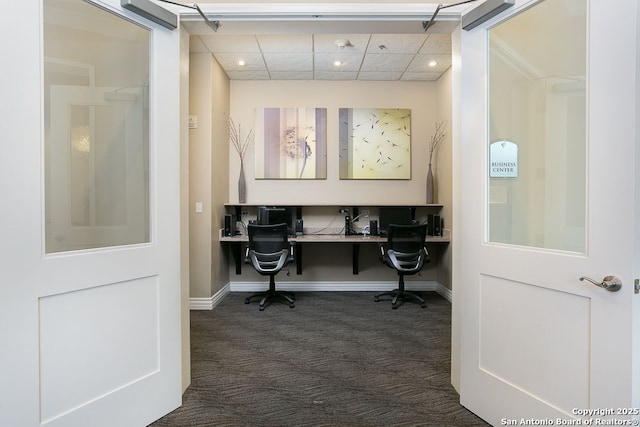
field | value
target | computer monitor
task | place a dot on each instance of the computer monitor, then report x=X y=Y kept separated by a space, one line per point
x=271 y=215
x=394 y=215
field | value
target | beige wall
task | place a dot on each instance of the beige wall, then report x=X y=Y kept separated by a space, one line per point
x=214 y=168
x=429 y=102
x=420 y=97
x=443 y=172
x=209 y=174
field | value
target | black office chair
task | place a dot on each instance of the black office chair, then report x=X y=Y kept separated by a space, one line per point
x=268 y=251
x=404 y=252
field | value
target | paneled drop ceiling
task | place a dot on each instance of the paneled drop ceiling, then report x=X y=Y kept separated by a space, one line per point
x=332 y=40
x=328 y=56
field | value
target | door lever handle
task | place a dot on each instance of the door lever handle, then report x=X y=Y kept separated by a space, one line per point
x=610 y=283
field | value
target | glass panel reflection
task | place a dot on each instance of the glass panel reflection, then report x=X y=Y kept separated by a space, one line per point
x=537 y=104
x=96 y=73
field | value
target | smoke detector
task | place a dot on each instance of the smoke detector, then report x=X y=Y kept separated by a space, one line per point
x=342 y=43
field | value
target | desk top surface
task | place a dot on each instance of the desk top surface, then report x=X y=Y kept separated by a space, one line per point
x=333 y=238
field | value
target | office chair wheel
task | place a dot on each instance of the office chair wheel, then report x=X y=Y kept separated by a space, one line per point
x=246 y=301
x=291 y=305
x=423 y=305
x=376 y=299
x=261 y=307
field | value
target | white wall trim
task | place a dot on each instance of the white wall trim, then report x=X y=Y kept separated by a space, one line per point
x=423 y=286
x=210 y=302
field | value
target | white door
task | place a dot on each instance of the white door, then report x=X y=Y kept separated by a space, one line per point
x=558 y=78
x=90 y=330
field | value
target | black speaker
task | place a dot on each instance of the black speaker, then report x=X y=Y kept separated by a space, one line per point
x=229 y=225
x=430 y=224
x=437 y=225
x=299 y=227
x=373 y=228
x=347 y=225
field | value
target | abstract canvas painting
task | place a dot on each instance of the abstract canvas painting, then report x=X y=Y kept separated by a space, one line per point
x=375 y=143
x=291 y=143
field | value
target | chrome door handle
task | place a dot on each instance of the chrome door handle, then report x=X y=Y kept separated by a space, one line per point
x=610 y=283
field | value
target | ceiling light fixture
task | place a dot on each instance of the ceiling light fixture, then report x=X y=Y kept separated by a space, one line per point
x=432 y=63
x=337 y=63
x=242 y=62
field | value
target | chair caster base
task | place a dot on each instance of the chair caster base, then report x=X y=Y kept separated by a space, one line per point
x=401 y=295
x=269 y=295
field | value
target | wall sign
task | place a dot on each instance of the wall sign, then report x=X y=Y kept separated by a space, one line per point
x=503 y=159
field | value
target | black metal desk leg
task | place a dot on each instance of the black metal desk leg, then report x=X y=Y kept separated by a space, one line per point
x=356 y=256
x=298 y=259
x=236 y=251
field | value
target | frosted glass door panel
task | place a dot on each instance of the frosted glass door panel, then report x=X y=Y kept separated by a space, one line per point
x=96 y=129
x=537 y=127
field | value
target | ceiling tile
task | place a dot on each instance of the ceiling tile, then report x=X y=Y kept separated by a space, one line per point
x=437 y=43
x=327 y=43
x=421 y=63
x=224 y=43
x=285 y=43
x=335 y=75
x=396 y=43
x=289 y=61
x=386 y=62
x=350 y=61
x=229 y=61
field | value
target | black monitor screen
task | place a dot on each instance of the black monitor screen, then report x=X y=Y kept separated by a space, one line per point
x=271 y=215
x=394 y=215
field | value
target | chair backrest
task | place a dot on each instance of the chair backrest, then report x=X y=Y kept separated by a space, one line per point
x=406 y=238
x=268 y=238
x=405 y=248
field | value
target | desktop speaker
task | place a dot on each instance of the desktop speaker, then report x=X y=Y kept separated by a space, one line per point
x=229 y=225
x=299 y=227
x=430 y=224
x=437 y=225
x=373 y=228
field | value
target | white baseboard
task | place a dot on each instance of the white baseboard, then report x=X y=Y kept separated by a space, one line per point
x=210 y=303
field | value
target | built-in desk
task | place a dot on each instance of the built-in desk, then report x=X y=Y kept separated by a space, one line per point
x=237 y=242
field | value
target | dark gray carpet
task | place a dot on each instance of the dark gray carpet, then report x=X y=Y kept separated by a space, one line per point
x=336 y=359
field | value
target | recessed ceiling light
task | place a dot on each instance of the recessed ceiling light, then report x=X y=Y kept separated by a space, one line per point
x=432 y=63
x=337 y=63
x=242 y=62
